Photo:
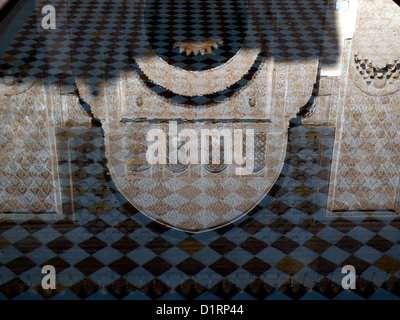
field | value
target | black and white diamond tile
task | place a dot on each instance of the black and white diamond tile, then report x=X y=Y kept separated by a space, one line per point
x=286 y=248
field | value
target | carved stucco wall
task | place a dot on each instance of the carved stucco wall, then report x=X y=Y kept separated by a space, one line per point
x=192 y=198
x=365 y=112
x=28 y=162
x=30 y=112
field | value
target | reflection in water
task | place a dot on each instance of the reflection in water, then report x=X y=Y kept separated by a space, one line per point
x=196 y=26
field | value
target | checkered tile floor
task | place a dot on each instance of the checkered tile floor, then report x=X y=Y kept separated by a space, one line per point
x=286 y=248
x=181 y=21
x=95 y=40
